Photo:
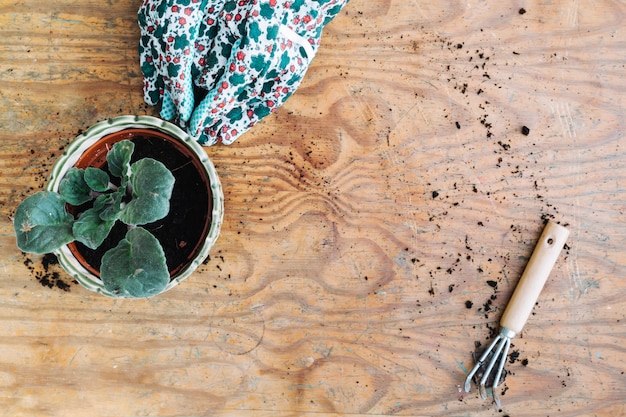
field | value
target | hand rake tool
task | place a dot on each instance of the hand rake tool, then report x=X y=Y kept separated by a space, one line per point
x=520 y=306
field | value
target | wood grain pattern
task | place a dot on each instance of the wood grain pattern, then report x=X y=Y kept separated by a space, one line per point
x=375 y=225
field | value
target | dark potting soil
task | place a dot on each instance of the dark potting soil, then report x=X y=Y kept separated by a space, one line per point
x=181 y=230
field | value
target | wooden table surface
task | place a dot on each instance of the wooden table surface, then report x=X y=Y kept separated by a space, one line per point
x=375 y=226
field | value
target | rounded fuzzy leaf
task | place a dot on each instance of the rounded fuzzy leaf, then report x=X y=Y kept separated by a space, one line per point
x=151 y=176
x=97 y=179
x=42 y=224
x=90 y=229
x=145 y=209
x=119 y=156
x=136 y=267
x=109 y=205
x=73 y=187
x=152 y=184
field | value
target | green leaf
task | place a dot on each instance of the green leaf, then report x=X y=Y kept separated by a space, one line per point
x=254 y=31
x=181 y=41
x=235 y=114
x=90 y=229
x=109 y=205
x=258 y=62
x=173 y=70
x=272 y=31
x=152 y=184
x=136 y=267
x=267 y=11
x=97 y=179
x=118 y=158
x=42 y=224
x=237 y=79
x=230 y=6
x=73 y=187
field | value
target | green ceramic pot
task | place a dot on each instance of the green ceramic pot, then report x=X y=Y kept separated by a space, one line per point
x=200 y=203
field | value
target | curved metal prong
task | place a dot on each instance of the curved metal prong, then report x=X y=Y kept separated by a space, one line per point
x=490 y=366
x=496 y=381
x=468 y=380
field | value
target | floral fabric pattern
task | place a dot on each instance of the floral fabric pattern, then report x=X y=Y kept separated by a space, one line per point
x=217 y=67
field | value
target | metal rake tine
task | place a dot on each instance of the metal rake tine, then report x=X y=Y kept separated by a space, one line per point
x=468 y=380
x=496 y=381
x=492 y=362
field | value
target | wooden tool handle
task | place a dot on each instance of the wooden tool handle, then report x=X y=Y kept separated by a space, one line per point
x=534 y=277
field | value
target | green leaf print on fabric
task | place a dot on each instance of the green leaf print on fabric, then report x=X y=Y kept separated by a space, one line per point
x=254 y=31
x=218 y=67
x=258 y=62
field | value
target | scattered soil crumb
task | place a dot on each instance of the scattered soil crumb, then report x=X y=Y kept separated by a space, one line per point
x=431 y=290
x=48 y=272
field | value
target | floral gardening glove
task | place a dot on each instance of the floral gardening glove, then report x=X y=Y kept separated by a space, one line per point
x=219 y=66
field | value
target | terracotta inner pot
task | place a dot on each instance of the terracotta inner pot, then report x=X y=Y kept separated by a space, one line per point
x=184 y=230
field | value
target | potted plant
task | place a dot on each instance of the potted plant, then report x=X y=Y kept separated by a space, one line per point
x=131 y=209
